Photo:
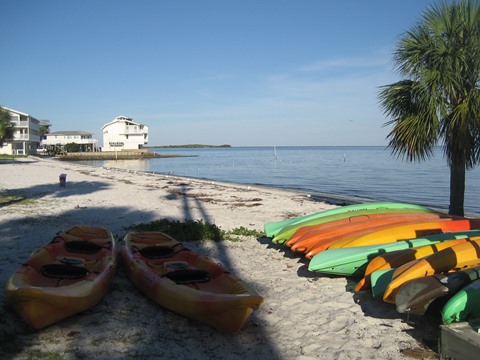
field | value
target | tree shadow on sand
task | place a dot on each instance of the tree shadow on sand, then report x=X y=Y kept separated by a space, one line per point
x=125 y=324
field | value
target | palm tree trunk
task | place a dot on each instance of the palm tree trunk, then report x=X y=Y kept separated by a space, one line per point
x=457 y=188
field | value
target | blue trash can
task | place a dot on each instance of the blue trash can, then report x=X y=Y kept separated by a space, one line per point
x=63 y=180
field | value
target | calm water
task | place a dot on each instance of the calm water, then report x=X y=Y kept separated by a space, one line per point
x=365 y=172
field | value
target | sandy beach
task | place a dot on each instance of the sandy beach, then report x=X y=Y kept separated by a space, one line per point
x=304 y=315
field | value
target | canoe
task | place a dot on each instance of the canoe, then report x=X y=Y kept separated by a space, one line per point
x=396 y=232
x=415 y=296
x=273 y=228
x=458 y=257
x=286 y=234
x=69 y=275
x=464 y=305
x=353 y=261
x=307 y=236
x=410 y=231
x=306 y=239
x=398 y=258
x=187 y=283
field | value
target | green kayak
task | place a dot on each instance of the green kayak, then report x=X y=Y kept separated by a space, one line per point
x=353 y=261
x=380 y=280
x=273 y=229
x=464 y=305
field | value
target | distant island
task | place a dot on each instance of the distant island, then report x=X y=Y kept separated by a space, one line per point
x=191 y=146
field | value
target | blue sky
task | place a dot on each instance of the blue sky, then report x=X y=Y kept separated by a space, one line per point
x=245 y=73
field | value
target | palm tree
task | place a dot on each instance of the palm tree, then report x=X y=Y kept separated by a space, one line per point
x=6 y=127
x=438 y=100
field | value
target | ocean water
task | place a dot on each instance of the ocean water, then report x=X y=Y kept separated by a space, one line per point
x=359 y=172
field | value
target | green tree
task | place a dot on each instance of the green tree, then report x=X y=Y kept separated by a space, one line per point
x=44 y=129
x=72 y=147
x=437 y=102
x=6 y=127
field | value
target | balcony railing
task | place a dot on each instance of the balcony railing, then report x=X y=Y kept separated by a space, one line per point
x=68 y=141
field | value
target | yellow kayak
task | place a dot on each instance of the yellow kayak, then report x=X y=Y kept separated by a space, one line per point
x=459 y=257
x=409 y=231
x=397 y=258
x=186 y=282
x=69 y=275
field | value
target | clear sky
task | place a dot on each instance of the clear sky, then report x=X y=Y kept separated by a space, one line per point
x=239 y=72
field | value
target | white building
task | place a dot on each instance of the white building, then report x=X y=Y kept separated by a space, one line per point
x=61 y=138
x=124 y=134
x=26 y=134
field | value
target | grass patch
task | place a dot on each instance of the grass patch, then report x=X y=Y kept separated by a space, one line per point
x=7 y=198
x=40 y=355
x=192 y=230
x=10 y=157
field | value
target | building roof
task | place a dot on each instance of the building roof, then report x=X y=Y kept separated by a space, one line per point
x=14 y=111
x=121 y=119
x=69 y=133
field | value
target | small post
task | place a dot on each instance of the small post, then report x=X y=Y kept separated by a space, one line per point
x=63 y=180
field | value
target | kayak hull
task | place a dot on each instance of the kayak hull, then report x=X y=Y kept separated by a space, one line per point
x=354 y=261
x=187 y=283
x=458 y=257
x=273 y=228
x=67 y=276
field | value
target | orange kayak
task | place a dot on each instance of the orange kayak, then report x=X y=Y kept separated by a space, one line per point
x=395 y=259
x=410 y=231
x=186 y=282
x=306 y=238
x=459 y=257
x=312 y=232
x=69 y=275
x=396 y=232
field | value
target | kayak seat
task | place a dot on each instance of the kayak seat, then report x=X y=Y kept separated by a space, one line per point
x=188 y=276
x=82 y=247
x=63 y=271
x=157 y=252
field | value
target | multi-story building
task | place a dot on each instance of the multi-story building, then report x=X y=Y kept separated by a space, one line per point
x=58 y=139
x=124 y=134
x=26 y=134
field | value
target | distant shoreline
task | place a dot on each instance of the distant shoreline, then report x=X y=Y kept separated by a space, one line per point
x=189 y=146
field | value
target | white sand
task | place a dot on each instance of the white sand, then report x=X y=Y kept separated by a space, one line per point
x=304 y=315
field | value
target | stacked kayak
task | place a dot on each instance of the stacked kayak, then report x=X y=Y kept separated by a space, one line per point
x=464 y=305
x=69 y=275
x=362 y=260
x=313 y=239
x=272 y=229
x=186 y=282
x=460 y=256
x=391 y=260
x=410 y=256
x=416 y=295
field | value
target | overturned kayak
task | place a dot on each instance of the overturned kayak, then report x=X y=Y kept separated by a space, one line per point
x=291 y=233
x=461 y=256
x=410 y=231
x=464 y=305
x=306 y=238
x=380 y=271
x=69 y=275
x=353 y=261
x=397 y=232
x=394 y=259
x=415 y=296
x=187 y=283
x=273 y=228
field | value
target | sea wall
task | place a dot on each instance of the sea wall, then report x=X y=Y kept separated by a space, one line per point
x=112 y=155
